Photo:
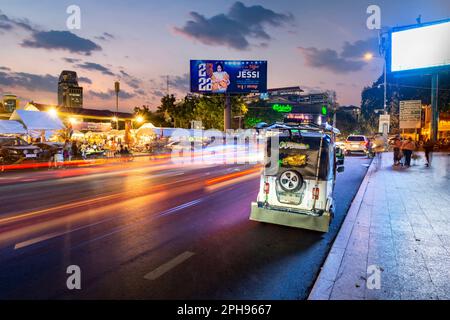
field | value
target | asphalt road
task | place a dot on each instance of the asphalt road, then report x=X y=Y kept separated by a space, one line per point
x=155 y=230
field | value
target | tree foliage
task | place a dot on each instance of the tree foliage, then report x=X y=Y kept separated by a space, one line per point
x=398 y=89
x=209 y=109
x=154 y=117
x=347 y=123
x=260 y=111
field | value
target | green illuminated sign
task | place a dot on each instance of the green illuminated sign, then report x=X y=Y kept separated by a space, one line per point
x=282 y=107
x=324 y=110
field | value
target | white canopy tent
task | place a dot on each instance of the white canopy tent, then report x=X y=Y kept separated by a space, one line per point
x=11 y=127
x=36 y=120
x=146 y=128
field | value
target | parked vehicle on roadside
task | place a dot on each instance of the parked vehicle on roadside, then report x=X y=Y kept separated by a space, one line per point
x=356 y=144
x=16 y=150
x=297 y=191
x=50 y=151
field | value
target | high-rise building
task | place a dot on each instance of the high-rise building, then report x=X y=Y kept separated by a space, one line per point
x=70 y=95
x=10 y=103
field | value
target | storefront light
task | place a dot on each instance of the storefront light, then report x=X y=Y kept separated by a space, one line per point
x=73 y=120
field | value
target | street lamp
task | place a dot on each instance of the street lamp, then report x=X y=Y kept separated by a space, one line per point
x=139 y=119
x=52 y=112
x=368 y=56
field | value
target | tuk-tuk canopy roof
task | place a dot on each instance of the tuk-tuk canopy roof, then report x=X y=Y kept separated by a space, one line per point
x=304 y=127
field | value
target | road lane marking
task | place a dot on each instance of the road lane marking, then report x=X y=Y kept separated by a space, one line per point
x=27 y=243
x=166 y=267
x=180 y=207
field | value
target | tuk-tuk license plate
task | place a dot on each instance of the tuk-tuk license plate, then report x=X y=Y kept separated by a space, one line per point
x=289 y=198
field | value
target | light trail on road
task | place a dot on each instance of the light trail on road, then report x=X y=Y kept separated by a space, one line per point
x=121 y=222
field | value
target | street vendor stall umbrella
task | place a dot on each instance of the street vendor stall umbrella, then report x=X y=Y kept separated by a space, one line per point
x=37 y=123
x=36 y=120
x=145 y=134
x=146 y=129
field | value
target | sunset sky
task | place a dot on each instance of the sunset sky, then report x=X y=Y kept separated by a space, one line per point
x=318 y=45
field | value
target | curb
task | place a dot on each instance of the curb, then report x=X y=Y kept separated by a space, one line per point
x=324 y=283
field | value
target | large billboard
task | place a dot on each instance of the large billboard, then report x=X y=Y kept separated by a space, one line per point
x=228 y=76
x=420 y=47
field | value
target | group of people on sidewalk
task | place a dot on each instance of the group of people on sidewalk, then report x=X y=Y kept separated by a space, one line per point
x=78 y=150
x=404 y=148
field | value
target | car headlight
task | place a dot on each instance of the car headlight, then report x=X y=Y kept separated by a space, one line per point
x=14 y=151
x=25 y=152
x=36 y=151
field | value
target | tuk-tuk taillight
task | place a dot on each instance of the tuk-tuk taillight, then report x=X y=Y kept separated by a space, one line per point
x=266 y=188
x=315 y=193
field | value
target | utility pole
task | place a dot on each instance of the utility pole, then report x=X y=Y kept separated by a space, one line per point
x=167 y=85
x=117 y=90
x=227 y=112
x=240 y=120
x=382 y=44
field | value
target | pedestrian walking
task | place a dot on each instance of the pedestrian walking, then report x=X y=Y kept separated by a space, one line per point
x=428 y=147
x=408 y=147
x=75 y=150
x=67 y=149
x=83 y=150
x=397 y=144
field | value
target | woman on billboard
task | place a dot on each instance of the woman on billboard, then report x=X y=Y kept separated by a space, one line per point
x=220 y=79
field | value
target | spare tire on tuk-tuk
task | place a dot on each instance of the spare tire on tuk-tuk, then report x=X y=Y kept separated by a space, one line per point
x=290 y=180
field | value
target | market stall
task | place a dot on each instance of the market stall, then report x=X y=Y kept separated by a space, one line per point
x=11 y=127
x=38 y=124
x=144 y=136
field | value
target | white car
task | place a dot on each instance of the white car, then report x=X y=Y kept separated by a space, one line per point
x=356 y=144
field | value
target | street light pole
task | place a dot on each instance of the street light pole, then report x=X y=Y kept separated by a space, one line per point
x=382 y=42
x=385 y=85
x=382 y=49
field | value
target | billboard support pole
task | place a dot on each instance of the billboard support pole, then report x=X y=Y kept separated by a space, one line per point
x=434 y=106
x=227 y=112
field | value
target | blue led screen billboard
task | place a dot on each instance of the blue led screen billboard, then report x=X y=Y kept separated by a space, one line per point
x=228 y=76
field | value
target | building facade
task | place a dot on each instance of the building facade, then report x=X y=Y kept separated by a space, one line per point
x=70 y=94
x=10 y=103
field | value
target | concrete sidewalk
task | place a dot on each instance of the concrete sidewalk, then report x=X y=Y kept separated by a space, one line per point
x=396 y=236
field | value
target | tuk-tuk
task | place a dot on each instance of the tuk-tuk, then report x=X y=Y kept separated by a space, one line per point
x=296 y=186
